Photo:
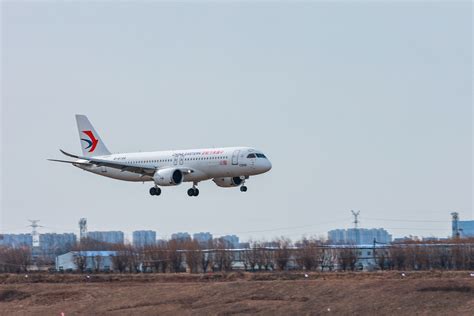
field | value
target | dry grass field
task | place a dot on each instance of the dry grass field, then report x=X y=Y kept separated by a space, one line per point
x=387 y=293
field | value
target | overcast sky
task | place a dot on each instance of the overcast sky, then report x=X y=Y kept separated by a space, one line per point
x=359 y=105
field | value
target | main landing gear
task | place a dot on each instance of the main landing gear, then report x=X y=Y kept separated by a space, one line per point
x=155 y=191
x=193 y=191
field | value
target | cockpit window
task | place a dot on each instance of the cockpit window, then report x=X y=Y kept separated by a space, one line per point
x=261 y=156
x=251 y=156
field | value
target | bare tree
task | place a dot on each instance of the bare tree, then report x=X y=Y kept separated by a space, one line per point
x=222 y=256
x=398 y=257
x=97 y=260
x=175 y=255
x=347 y=258
x=308 y=254
x=134 y=259
x=193 y=255
x=381 y=258
x=15 y=260
x=282 y=253
x=121 y=259
x=251 y=256
x=80 y=260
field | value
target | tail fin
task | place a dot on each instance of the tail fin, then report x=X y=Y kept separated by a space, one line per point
x=91 y=143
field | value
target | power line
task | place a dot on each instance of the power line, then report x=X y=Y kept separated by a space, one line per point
x=340 y=221
x=280 y=228
x=403 y=220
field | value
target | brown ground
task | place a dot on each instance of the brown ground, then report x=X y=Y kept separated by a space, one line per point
x=431 y=293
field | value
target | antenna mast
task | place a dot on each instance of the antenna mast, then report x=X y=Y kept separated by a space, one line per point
x=82 y=229
x=455 y=225
x=34 y=233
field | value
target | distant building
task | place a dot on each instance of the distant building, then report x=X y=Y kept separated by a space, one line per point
x=361 y=236
x=430 y=239
x=142 y=238
x=203 y=238
x=17 y=240
x=244 y=245
x=466 y=229
x=337 y=236
x=112 y=237
x=52 y=243
x=270 y=244
x=231 y=240
x=409 y=238
x=94 y=260
x=181 y=236
x=161 y=242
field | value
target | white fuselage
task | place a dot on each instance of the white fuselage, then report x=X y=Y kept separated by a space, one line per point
x=205 y=164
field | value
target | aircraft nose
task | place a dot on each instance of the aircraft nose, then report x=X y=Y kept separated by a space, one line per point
x=268 y=166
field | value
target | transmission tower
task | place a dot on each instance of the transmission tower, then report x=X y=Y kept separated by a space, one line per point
x=356 y=225
x=34 y=233
x=356 y=218
x=82 y=228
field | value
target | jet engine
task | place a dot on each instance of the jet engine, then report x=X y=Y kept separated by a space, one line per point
x=168 y=177
x=228 y=182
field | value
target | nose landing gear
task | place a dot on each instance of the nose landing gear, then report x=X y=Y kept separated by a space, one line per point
x=243 y=188
x=155 y=191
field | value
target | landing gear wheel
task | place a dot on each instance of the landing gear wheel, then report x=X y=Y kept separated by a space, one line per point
x=193 y=192
x=243 y=188
x=155 y=191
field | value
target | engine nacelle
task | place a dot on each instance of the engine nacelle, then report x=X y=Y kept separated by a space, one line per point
x=227 y=182
x=168 y=177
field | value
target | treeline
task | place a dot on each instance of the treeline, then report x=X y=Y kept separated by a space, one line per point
x=14 y=260
x=451 y=255
x=280 y=254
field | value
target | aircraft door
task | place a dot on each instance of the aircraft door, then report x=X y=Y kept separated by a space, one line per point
x=181 y=159
x=175 y=160
x=235 y=157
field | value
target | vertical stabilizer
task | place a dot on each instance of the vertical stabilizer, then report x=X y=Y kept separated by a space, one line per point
x=91 y=143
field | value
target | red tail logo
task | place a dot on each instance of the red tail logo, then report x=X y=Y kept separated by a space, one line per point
x=92 y=141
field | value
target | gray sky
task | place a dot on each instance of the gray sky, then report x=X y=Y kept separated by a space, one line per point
x=359 y=105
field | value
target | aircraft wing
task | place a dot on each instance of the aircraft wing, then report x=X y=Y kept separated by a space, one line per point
x=71 y=162
x=123 y=166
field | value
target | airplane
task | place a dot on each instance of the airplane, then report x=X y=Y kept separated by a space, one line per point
x=227 y=166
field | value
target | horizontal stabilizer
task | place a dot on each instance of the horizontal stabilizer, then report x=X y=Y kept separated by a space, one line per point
x=68 y=154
